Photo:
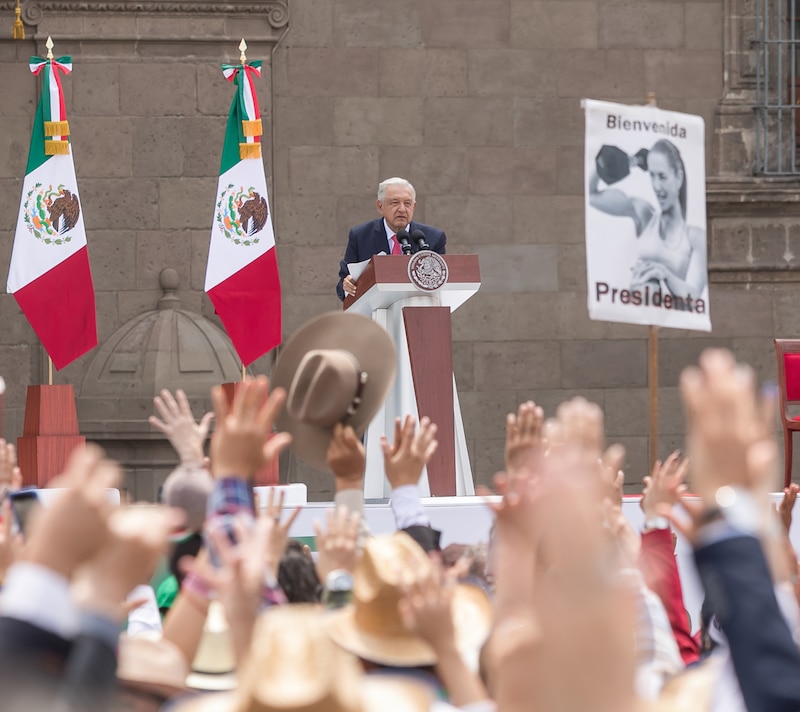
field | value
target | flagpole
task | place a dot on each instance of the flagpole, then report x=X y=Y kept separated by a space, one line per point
x=243 y=373
x=49 y=371
x=652 y=365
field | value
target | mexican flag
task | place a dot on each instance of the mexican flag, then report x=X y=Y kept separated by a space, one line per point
x=49 y=274
x=242 y=274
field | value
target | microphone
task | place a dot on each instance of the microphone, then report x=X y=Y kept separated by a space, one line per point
x=405 y=243
x=419 y=237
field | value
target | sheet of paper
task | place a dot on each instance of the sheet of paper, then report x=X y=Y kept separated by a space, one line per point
x=357 y=268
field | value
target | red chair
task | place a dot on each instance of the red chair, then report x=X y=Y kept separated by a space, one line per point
x=788 y=354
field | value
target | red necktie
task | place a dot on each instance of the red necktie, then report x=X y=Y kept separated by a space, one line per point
x=396 y=246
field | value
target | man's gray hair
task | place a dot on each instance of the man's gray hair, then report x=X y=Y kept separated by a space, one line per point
x=395 y=181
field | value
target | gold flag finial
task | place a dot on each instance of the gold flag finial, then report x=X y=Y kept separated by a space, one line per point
x=18 y=32
x=49 y=45
x=242 y=48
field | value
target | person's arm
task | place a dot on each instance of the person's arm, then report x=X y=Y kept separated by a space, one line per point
x=350 y=255
x=613 y=201
x=663 y=488
x=730 y=431
x=660 y=570
x=765 y=657
x=426 y=611
x=692 y=286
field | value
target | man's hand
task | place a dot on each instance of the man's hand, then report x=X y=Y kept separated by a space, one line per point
x=346 y=458
x=406 y=457
x=239 y=447
x=337 y=546
x=75 y=527
x=664 y=486
x=178 y=424
x=274 y=532
x=349 y=286
x=426 y=609
x=730 y=430
x=523 y=436
x=787 y=505
x=10 y=474
x=138 y=539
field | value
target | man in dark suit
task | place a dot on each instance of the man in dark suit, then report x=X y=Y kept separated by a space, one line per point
x=396 y=202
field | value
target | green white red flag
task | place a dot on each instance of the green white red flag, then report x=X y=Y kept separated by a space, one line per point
x=242 y=278
x=49 y=274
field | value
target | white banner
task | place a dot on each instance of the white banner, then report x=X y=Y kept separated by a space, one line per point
x=646 y=256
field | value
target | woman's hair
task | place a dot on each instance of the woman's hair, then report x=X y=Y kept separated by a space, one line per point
x=673 y=156
x=297 y=576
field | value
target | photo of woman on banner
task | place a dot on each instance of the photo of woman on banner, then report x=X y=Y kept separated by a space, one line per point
x=671 y=254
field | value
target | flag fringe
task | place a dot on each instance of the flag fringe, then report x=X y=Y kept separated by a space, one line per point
x=56 y=148
x=249 y=150
x=252 y=127
x=56 y=128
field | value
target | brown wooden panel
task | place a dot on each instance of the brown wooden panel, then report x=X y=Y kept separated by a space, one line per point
x=50 y=410
x=43 y=457
x=430 y=349
x=269 y=475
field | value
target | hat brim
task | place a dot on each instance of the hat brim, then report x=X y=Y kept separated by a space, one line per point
x=378 y=694
x=472 y=619
x=374 y=350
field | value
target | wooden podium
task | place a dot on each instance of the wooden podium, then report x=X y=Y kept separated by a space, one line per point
x=49 y=434
x=419 y=323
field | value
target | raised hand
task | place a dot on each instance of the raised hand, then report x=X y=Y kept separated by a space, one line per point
x=337 y=546
x=730 y=429
x=274 y=531
x=137 y=539
x=523 y=436
x=178 y=424
x=346 y=458
x=10 y=474
x=75 y=527
x=239 y=447
x=665 y=484
x=406 y=457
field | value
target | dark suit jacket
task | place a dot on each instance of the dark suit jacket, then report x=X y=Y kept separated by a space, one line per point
x=37 y=664
x=369 y=239
x=739 y=588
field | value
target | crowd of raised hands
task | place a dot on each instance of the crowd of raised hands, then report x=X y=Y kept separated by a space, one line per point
x=567 y=608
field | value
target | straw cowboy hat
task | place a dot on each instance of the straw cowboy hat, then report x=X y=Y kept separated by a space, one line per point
x=372 y=627
x=293 y=665
x=151 y=664
x=337 y=368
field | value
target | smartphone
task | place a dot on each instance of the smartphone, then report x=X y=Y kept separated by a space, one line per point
x=22 y=503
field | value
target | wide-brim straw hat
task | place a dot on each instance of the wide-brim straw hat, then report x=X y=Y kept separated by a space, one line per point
x=372 y=628
x=151 y=664
x=293 y=665
x=336 y=368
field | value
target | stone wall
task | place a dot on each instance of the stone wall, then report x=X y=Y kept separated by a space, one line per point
x=477 y=103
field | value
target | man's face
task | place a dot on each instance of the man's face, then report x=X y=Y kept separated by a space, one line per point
x=397 y=207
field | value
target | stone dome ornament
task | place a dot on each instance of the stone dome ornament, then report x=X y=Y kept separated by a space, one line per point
x=167 y=347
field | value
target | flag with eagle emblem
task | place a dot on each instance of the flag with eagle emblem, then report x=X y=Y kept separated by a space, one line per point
x=242 y=278
x=49 y=274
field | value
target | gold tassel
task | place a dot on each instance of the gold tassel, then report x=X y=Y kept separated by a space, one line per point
x=56 y=128
x=56 y=148
x=18 y=33
x=249 y=150
x=252 y=128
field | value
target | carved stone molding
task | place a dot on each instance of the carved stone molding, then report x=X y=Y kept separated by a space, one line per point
x=276 y=11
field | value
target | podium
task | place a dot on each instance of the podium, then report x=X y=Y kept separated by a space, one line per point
x=418 y=321
x=50 y=433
